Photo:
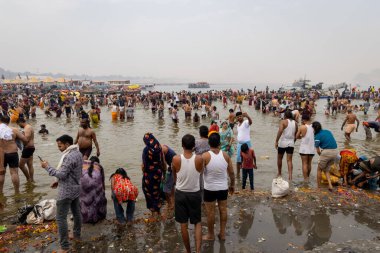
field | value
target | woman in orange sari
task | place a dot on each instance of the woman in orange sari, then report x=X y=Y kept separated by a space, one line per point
x=347 y=161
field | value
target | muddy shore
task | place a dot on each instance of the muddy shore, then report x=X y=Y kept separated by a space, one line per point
x=347 y=220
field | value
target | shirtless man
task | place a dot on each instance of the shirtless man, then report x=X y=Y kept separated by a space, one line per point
x=187 y=108
x=175 y=114
x=84 y=139
x=231 y=118
x=10 y=156
x=350 y=127
x=77 y=107
x=28 y=150
x=334 y=106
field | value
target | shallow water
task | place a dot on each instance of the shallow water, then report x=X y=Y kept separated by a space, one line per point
x=121 y=146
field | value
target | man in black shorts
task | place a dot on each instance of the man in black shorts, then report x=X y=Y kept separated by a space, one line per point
x=285 y=139
x=26 y=161
x=10 y=156
x=187 y=168
x=217 y=166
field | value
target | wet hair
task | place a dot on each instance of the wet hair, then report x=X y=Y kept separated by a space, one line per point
x=238 y=114
x=122 y=172
x=214 y=140
x=188 y=142
x=288 y=114
x=65 y=139
x=231 y=110
x=5 y=119
x=244 y=148
x=20 y=120
x=317 y=127
x=305 y=117
x=203 y=131
x=93 y=159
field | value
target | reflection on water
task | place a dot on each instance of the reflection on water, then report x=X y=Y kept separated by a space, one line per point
x=320 y=231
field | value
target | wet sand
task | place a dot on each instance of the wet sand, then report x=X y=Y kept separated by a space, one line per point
x=307 y=219
x=290 y=224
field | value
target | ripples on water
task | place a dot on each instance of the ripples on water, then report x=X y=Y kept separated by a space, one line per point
x=121 y=146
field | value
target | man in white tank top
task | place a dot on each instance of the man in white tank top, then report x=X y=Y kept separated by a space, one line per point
x=285 y=139
x=217 y=166
x=187 y=168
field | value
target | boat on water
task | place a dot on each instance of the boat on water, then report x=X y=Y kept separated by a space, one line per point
x=147 y=86
x=199 y=85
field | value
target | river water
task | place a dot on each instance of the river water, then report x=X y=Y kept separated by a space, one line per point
x=121 y=145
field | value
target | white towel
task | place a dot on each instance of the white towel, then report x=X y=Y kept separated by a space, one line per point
x=64 y=153
x=5 y=132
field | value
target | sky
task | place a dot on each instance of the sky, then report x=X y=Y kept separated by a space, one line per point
x=221 y=41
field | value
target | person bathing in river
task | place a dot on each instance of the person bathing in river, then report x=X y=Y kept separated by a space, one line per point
x=43 y=130
x=10 y=155
x=84 y=139
x=350 y=126
x=27 y=151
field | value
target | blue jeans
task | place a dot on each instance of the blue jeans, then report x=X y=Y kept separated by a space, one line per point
x=119 y=211
x=248 y=172
x=63 y=207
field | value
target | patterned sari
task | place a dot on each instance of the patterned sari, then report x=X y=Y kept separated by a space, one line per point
x=225 y=139
x=151 y=181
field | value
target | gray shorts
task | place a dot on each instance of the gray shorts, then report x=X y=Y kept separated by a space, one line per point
x=327 y=158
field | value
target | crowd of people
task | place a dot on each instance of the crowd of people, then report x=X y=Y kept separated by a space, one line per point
x=202 y=172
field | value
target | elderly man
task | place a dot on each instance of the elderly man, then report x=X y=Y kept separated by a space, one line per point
x=68 y=172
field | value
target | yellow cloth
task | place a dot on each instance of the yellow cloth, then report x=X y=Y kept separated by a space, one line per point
x=95 y=118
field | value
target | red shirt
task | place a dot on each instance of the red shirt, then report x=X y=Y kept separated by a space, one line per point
x=247 y=159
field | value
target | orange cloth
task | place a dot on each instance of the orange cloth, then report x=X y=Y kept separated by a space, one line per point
x=347 y=157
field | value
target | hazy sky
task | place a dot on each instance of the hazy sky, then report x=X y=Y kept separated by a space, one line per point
x=212 y=40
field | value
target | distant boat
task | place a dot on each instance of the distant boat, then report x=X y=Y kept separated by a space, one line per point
x=301 y=83
x=199 y=85
x=147 y=86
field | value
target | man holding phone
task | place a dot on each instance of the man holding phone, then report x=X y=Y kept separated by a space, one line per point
x=68 y=172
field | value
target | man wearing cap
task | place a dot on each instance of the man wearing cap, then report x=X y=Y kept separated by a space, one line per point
x=243 y=136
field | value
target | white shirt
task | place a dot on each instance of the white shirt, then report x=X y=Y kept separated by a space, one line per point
x=243 y=132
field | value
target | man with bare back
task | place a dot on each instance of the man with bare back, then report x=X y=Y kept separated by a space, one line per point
x=187 y=108
x=84 y=139
x=10 y=156
x=28 y=150
x=350 y=126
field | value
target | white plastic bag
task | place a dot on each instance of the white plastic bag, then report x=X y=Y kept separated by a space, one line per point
x=49 y=209
x=280 y=187
x=35 y=216
x=45 y=210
